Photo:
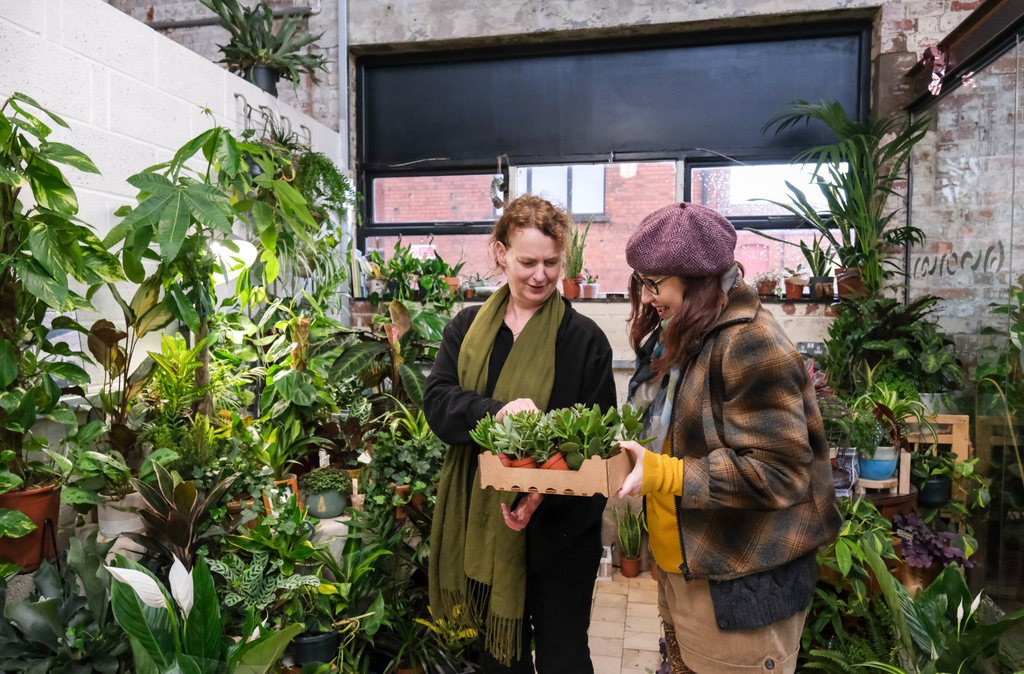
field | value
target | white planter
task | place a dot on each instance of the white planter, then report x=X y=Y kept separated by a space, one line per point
x=375 y=285
x=113 y=522
x=590 y=290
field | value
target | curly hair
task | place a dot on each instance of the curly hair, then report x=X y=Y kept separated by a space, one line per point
x=529 y=211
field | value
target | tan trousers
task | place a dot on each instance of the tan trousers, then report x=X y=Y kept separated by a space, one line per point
x=686 y=608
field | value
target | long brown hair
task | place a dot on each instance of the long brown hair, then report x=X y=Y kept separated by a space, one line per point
x=703 y=304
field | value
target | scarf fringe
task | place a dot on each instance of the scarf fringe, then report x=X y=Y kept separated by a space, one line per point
x=503 y=637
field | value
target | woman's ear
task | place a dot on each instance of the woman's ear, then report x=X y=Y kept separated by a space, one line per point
x=500 y=253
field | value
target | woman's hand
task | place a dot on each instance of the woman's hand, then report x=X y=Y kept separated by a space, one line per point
x=520 y=517
x=635 y=479
x=518 y=405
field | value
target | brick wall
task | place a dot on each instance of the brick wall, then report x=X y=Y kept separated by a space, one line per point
x=319 y=102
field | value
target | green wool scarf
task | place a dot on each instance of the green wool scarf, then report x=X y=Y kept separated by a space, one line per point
x=477 y=563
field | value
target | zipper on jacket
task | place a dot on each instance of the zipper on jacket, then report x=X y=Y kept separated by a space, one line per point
x=685 y=566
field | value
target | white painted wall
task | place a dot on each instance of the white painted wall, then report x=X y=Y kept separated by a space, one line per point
x=130 y=95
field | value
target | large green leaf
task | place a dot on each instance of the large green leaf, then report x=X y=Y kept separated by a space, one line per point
x=45 y=243
x=8 y=481
x=8 y=364
x=39 y=621
x=204 y=209
x=260 y=655
x=146 y=213
x=41 y=285
x=25 y=99
x=355 y=360
x=103 y=266
x=69 y=371
x=151 y=627
x=156 y=318
x=147 y=296
x=204 y=632
x=65 y=154
x=51 y=189
x=75 y=495
x=413 y=382
x=227 y=154
x=173 y=229
x=186 y=312
x=9 y=177
x=154 y=183
x=14 y=523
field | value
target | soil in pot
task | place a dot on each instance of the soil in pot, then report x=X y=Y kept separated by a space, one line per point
x=38 y=505
x=265 y=78
x=822 y=288
x=316 y=647
x=325 y=505
x=630 y=567
x=556 y=462
x=528 y=462
x=935 y=493
x=570 y=288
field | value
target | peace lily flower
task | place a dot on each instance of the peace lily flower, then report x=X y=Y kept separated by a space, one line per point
x=149 y=591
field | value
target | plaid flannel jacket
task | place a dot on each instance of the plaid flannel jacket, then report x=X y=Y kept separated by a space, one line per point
x=757 y=485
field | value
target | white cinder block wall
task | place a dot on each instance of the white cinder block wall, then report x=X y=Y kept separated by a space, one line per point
x=131 y=97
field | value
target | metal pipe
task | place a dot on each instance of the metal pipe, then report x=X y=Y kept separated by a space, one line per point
x=214 y=20
x=343 y=104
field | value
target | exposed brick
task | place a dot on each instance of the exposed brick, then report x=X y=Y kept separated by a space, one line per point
x=965 y=5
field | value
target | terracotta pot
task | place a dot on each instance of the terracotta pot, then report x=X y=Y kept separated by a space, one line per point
x=630 y=567
x=570 y=288
x=556 y=462
x=654 y=570
x=528 y=462
x=794 y=291
x=590 y=290
x=505 y=459
x=469 y=293
x=453 y=283
x=766 y=288
x=38 y=505
x=849 y=282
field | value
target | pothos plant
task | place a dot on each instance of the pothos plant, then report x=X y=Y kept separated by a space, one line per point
x=42 y=247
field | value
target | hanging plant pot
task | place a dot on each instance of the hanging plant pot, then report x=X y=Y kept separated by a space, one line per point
x=849 y=282
x=570 y=288
x=315 y=647
x=38 y=505
x=822 y=288
x=264 y=77
x=935 y=493
x=630 y=567
x=113 y=522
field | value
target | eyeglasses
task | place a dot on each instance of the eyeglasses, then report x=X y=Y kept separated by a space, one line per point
x=650 y=283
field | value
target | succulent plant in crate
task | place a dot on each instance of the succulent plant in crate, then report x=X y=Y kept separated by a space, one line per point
x=585 y=432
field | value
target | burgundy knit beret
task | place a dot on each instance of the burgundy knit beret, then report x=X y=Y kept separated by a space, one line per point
x=683 y=240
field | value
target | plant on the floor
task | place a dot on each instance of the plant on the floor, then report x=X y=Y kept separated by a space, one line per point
x=453 y=639
x=287 y=535
x=856 y=177
x=873 y=640
x=180 y=629
x=862 y=526
x=923 y=548
x=254 y=42
x=324 y=480
x=66 y=626
x=256 y=584
x=630 y=529
x=42 y=247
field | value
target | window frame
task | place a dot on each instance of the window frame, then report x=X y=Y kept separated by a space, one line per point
x=597 y=215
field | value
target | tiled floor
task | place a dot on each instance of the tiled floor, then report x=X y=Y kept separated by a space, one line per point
x=625 y=626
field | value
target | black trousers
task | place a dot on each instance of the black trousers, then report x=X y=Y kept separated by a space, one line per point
x=557 y=617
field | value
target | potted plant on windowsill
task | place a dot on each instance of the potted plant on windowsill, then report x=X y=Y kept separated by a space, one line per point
x=630 y=529
x=590 y=285
x=257 y=52
x=325 y=491
x=574 y=261
x=766 y=282
x=796 y=281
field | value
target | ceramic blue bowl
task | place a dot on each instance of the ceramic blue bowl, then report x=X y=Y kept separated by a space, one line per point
x=873 y=469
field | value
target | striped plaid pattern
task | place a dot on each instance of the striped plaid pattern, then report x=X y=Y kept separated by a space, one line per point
x=757 y=488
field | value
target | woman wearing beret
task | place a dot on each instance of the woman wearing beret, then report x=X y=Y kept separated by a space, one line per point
x=738 y=488
x=526 y=574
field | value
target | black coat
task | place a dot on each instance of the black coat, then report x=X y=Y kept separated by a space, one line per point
x=583 y=374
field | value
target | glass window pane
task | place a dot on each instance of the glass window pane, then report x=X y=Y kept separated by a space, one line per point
x=549 y=182
x=474 y=249
x=758 y=254
x=588 y=188
x=433 y=199
x=733 y=190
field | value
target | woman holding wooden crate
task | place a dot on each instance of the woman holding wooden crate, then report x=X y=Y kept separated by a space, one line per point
x=738 y=488
x=520 y=569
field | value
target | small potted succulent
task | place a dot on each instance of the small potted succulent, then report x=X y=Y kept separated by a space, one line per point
x=590 y=285
x=766 y=282
x=796 y=281
x=503 y=440
x=325 y=491
x=630 y=529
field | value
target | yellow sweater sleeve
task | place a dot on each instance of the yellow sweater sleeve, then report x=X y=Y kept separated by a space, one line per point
x=663 y=474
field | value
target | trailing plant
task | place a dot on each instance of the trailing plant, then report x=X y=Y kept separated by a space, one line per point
x=42 y=247
x=574 y=260
x=254 y=42
x=66 y=626
x=13 y=523
x=181 y=629
x=770 y=276
x=967 y=482
x=856 y=177
x=405 y=452
x=923 y=547
x=630 y=528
